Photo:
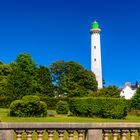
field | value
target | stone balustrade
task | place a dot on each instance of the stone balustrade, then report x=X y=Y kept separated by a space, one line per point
x=70 y=131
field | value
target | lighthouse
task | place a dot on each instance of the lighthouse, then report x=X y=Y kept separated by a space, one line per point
x=96 y=65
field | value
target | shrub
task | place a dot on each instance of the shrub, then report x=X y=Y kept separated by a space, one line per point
x=52 y=101
x=16 y=108
x=101 y=107
x=62 y=107
x=28 y=106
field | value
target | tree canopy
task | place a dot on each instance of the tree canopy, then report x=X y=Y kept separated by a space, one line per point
x=136 y=100
x=71 y=79
x=28 y=79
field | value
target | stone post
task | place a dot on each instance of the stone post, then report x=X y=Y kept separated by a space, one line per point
x=50 y=134
x=94 y=134
x=123 y=134
x=40 y=134
x=71 y=134
x=19 y=134
x=132 y=134
x=61 y=134
x=6 y=134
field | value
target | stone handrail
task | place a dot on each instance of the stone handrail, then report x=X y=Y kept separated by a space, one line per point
x=88 y=131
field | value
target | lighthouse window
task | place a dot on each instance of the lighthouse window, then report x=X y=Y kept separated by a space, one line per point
x=94 y=59
x=94 y=47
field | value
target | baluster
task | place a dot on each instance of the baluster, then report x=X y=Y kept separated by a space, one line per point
x=50 y=134
x=132 y=134
x=71 y=134
x=139 y=134
x=61 y=134
x=123 y=134
x=106 y=135
x=40 y=134
x=19 y=134
x=115 y=134
x=80 y=134
x=29 y=134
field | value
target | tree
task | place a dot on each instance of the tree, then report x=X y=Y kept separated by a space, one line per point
x=20 y=81
x=1 y=62
x=72 y=79
x=57 y=70
x=19 y=84
x=26 y=63
x=136 y=102
x=44 y=81
x=5 y=70
x=110 y=91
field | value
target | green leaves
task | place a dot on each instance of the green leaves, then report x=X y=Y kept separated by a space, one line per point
x=135 y=103
x=28 y=106
x=101 y=107
x=44 y=81
x=28 y=79
x=62 y=107
x=71 y=79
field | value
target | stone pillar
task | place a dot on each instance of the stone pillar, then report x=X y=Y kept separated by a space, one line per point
x=71 y=134
x=50 y=134
x=132 y=134
x=61 y=134
x=19 y=134
x=80 y=134
x=29 y=134
x=115 y=134
x=6 y=134
x=40 y=134
x=123 y=134
x=106 y=135
x=95 y=134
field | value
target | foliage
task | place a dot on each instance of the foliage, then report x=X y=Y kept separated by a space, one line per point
x=19 y=84
x=28 y=79
x=110 y=91
x=4 y=102
x=52 y=101
x=5 y=70
x=20 y=80
x=26 y=63
x=71 y=79
x=62 y=107
x=44 y=81
x=135 y=102
x=28 y=106
x=101 y=107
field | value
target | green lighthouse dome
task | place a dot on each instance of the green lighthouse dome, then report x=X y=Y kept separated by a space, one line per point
x=95 y=25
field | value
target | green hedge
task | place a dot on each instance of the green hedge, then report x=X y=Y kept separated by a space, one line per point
x=115 y=108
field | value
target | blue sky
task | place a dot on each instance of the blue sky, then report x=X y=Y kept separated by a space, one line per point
x=51 y=30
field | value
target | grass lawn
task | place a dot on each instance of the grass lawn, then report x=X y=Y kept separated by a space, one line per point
x=62 y=118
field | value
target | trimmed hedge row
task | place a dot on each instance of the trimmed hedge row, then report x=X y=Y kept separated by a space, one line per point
x=115 y=108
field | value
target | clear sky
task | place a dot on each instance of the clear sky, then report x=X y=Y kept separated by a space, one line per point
x=51 y=30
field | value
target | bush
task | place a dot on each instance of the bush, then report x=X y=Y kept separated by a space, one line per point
x=101 y=107
x=28 y=106
x=62 y=107
x=52 y=101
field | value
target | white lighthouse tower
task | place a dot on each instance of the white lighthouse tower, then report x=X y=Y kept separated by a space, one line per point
x=96 y=66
